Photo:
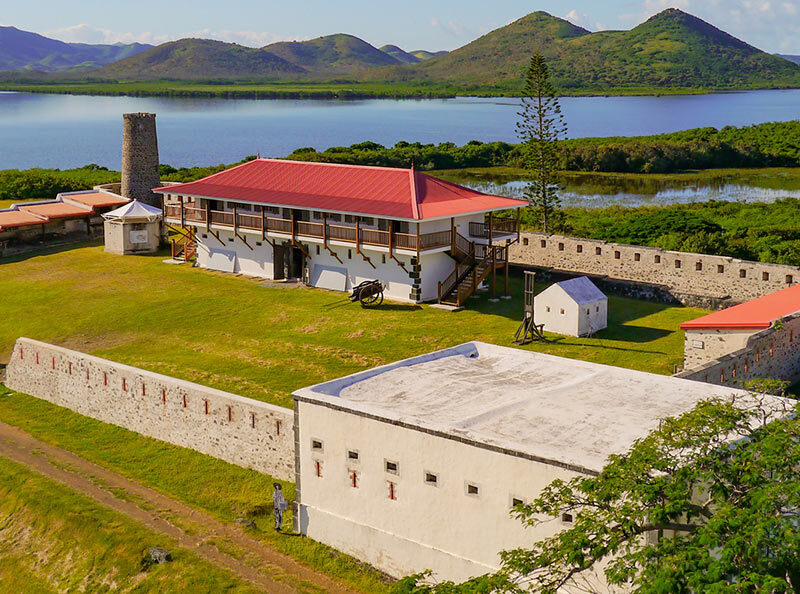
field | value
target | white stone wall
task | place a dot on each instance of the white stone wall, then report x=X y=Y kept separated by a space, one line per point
x=772 y=353
x=239 y=430
x=693 y=274
x=439 y=527
x=704 y=345
x=257 y=261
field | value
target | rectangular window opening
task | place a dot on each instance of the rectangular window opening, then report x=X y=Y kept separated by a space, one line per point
x=720 y=269
x=431 y=479
x=617 y=255
x=742 y=273
x=473 y=489
x=566 y=518
x=657 y=259
x=277 y=427
x=598 y=251
x=516 y=501
x=637 y=257
x=580 y=249
x=352 y=455
x=677 y=263
x=392 y=467
x=524 y=241
x=698 y=266
x=560 y=247
x=253 y=420
x=316 y=445
x=205 y=406
x=765 y=276
x=230 y=414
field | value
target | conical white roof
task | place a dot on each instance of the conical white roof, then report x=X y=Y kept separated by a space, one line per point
x=134 y=211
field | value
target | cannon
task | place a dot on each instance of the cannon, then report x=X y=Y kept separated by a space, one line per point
x=369 y=293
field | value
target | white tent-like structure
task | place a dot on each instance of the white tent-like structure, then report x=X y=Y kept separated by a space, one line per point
x=134 y=211
x=133 y=228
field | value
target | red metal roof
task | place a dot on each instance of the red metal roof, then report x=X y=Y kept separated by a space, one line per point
x=376 y=191
x=57 y=210
x=756 y=314
x=10 y=219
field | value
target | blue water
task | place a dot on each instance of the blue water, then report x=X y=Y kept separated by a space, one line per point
x=68 y=131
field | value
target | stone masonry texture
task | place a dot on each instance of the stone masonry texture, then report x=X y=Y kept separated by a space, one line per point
x=140 y=158
x=721 y=279
x=239 y=430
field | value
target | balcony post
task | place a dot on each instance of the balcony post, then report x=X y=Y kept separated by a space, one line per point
x=418 y=243
x=235 y=221
x=391 y=233
x=358 y=235
x=325 y=230
x=263 y=224
x=519 y=210
x=294 y=228
x=208 y=215
x=452 y=234
x=183 y=214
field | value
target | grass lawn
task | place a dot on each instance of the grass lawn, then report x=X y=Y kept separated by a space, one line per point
x=8 y=203
x=234 y=334
x=53 y=539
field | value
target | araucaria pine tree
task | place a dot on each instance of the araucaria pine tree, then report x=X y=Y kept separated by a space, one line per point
x=540 y=128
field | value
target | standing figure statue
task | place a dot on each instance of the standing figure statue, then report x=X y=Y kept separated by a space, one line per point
x=279 y=505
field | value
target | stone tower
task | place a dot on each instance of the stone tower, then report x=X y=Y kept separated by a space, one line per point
x=140 y=157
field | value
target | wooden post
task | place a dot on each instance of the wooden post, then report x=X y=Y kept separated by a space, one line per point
x=263 y=224
x=391 y=233
x=453 y=234
x=506 y=287
x=418 y=243
x=325 y=230
x=235 y=221
x=491 y=247
x=208 y=215
x=183 y=215
x=358 y=235
x=519 y=210
x=294 y=228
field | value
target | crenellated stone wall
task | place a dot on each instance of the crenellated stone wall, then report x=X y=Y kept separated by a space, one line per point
x=239 y=430
x=771 y=353
x=690 y=278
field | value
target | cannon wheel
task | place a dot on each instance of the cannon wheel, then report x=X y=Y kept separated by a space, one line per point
x=370 y=300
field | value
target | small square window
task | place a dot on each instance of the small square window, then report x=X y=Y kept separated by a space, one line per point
x=318 y=250
x=431 y=479
x=720 y=268
x=742 y=273
x=560 y=247
x=677 y=263
x=617 y=255
x=544 y=243
x=524 y=241
x=637 y=257
x=657 y=259
x=562 y=311
x=352 y=455
x=588 y=312
x=516 y=501
x=789 y=279
x=598 y=251
x=580 y=249
x=392 y=467
x=548 y=309
x=316 y=445
x=765 y=276
x=698 y=266
x=597 y=308
x=473 y=489
x=566 y=518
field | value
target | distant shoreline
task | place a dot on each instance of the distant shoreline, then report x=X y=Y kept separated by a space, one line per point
x=330 y=91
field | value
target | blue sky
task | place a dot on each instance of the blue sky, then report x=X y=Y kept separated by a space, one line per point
x=773 y=25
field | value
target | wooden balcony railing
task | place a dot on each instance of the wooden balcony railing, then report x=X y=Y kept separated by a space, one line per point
x=345 y=233
x=499 y=227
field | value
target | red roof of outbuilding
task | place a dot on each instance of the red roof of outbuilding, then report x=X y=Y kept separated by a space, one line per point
x=57 y=210
x=10 y=219
x=97 y=199
x=376 y=191
x=756 y=314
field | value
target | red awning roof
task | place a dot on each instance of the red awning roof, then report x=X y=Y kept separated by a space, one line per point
x=756 y=314
x=10 y=219
x=97 y=199
x=57 y=210
x=374 y=191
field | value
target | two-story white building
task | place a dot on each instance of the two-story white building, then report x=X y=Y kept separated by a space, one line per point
x=334 y=226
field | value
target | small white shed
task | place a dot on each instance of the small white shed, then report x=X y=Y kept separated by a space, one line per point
x=134 y=228
x=574 y=307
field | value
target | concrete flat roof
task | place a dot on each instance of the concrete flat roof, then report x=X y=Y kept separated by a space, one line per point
x=569 y=412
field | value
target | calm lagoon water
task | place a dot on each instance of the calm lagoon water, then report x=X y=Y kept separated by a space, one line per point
x=68 y=131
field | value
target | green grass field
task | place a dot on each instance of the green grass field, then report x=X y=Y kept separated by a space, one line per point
x=54 y=540
x=234 y=334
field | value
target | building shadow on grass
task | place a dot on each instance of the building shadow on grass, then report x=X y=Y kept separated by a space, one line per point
x=598 y=343
x=633 y=333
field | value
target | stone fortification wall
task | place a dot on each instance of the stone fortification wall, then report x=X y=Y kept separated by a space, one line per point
x=239 y=430
x=140 y=172
x=771 y=353
x=690 y=278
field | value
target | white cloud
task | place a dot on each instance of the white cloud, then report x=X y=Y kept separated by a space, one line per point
x=83 y=33
x=579 y=18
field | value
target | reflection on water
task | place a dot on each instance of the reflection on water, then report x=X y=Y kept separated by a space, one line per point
x=587 y=197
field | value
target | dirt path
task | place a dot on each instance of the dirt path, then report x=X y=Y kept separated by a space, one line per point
x=226 y=545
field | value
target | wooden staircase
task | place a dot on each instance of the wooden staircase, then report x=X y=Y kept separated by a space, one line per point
x=474 y=263
x=185 y=246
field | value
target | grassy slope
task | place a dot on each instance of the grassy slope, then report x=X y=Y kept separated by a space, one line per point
x=224 y=490
x=54 y=540
x=199 y=58
x=233 y=334
x=332 y=54
x=672 y=49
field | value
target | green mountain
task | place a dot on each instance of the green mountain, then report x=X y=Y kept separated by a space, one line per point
x=671 y=49
x=332 y=54
x=200 y=59
x=399 y=54
x=426 y=55
x=23 y=50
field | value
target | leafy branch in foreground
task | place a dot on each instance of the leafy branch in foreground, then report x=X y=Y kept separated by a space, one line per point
x=707 y=502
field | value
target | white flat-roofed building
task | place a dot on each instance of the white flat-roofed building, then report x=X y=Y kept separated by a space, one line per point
x=416 y=465
x=574 y=307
